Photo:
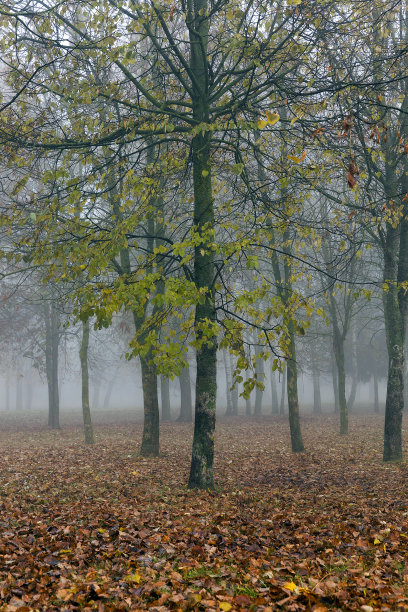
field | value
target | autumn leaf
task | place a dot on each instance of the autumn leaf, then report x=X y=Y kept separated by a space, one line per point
x=133 y=578
x=297 y=159
x=272 y=117
x=226 y=606
x=261 y=123
x=290 y=586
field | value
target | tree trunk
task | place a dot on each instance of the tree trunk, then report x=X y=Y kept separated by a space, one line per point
x=202 y=457
x=317 y=400
x=96 y=393
x=108 y=394
x=274 y=394
x=293 y=402
x=86 y=411
x=51 y=359
x=394 y=316
x=259 y=369
x=338 y=344
x=376 y=402
x=234 y=391
x=228 y=382
x=165 y=398
x=186 y=404
x=283 y=393
x=335 y=384
x=248 y=409
x=354 y=371
x=151 y=427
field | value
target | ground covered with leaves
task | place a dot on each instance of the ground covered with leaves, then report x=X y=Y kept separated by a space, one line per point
x=104 y=529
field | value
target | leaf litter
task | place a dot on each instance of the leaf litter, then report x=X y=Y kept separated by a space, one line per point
x=103 y=529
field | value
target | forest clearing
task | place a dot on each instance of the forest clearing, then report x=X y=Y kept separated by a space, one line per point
x=102 y=528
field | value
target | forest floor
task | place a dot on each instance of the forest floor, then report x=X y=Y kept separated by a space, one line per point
x=103 y=529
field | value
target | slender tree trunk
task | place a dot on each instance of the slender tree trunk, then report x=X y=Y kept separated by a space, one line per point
x=202 y=458
x=283 y=393
x=317 y=400
x=51 y=360
x=354 y=370
x=228 y=382
x=86 y=411
x=248 y=408
x=165 y=398
x=108 y=394
x=274 y=393
x=292 y=386
x=335 y=383
x=376 y=402
x=234 y=391
x=186 y=404
x=338 y=343
x=96 y=393
x=259 y=376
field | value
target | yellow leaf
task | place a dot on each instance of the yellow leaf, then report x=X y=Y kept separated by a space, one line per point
x=272 y=117
x=377 y=541
x=133 y=578
x=290 y=586
x=224 y=605
x=296 y=159
x=261 y=123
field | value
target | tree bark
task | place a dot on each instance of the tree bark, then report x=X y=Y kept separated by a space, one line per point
x=259 y=369
x=335 y=384
x=186 y=404
x=248 y=408
x=338 y=345
x=283 y=393
x=354 y=371
x=394 y=315
x=51 y=360
x=293 y=402
x=228 y=382
x=317 y=400
x=165 y=398
x=150 y=446
x=234 y=391
x=202 y=457
x=86 y=411
x=274 y=394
